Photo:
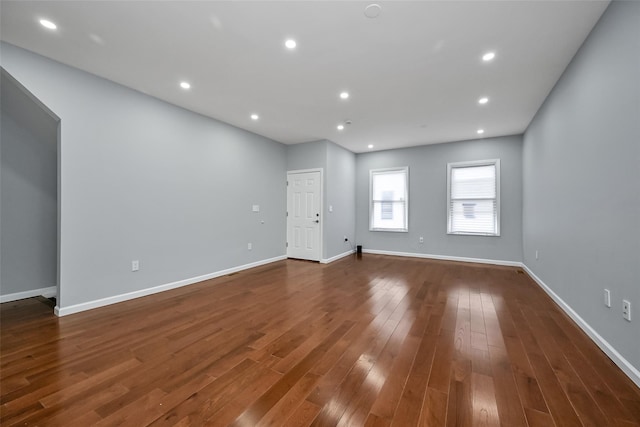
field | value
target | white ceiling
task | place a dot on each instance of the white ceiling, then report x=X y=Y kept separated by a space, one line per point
x=414 y=73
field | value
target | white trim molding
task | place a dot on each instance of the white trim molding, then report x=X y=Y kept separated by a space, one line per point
x=48 y=292
x=632 y=372
x=64 y=311
x=444 y=257
x=337 y=257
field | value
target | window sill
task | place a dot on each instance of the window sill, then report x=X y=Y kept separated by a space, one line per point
x=473 y=234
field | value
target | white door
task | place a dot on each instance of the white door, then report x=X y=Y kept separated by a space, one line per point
x=303 y=215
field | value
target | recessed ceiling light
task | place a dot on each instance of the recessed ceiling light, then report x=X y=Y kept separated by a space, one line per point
x=483 y=100
x=370 y=146
x=48 y=24
x=340 y=127
x=344 y=95
x=290 y=44
x=254 y=117
x=480 y=131
x=185 y=85
x=488 y=56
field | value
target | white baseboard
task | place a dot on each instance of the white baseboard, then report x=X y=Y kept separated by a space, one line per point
x=337 y=257
x=49 y=292
x=632 y=372
x=64 y=311
x=444 y=257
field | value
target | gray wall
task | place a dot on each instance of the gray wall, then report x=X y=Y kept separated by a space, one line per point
x=310 y=155
x=28 y=188
x=341 y=195
x=428 y=199
x=339 y=187
x=142 y=179
x=581 y=160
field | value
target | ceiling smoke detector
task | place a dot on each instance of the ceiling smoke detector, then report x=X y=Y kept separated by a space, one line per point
x=372 y=11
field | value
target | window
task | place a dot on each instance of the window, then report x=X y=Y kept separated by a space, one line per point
x=389 y=198
x=473 y=193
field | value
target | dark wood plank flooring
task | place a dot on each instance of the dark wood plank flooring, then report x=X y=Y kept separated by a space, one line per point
x=369 y=341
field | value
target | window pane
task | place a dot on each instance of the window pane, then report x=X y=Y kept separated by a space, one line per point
x=389 y=186
x=475 y=182
x=473 y=216
x=394 y=218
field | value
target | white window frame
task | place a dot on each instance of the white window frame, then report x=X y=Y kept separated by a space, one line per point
x=374 y=172
x=490 y=162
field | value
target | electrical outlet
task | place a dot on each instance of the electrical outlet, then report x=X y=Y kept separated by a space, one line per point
x=626 y=310
x=249 y=246
x=135 y=265
x=607 y=298
x=421 y=239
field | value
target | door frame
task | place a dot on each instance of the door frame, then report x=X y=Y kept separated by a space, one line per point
x=320 y=208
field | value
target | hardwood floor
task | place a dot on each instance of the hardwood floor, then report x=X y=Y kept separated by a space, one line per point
x=369 y=341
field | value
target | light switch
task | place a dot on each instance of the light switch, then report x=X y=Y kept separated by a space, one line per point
x=255 y=208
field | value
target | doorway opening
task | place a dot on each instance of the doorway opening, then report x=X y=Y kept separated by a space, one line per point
x=30 y=203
